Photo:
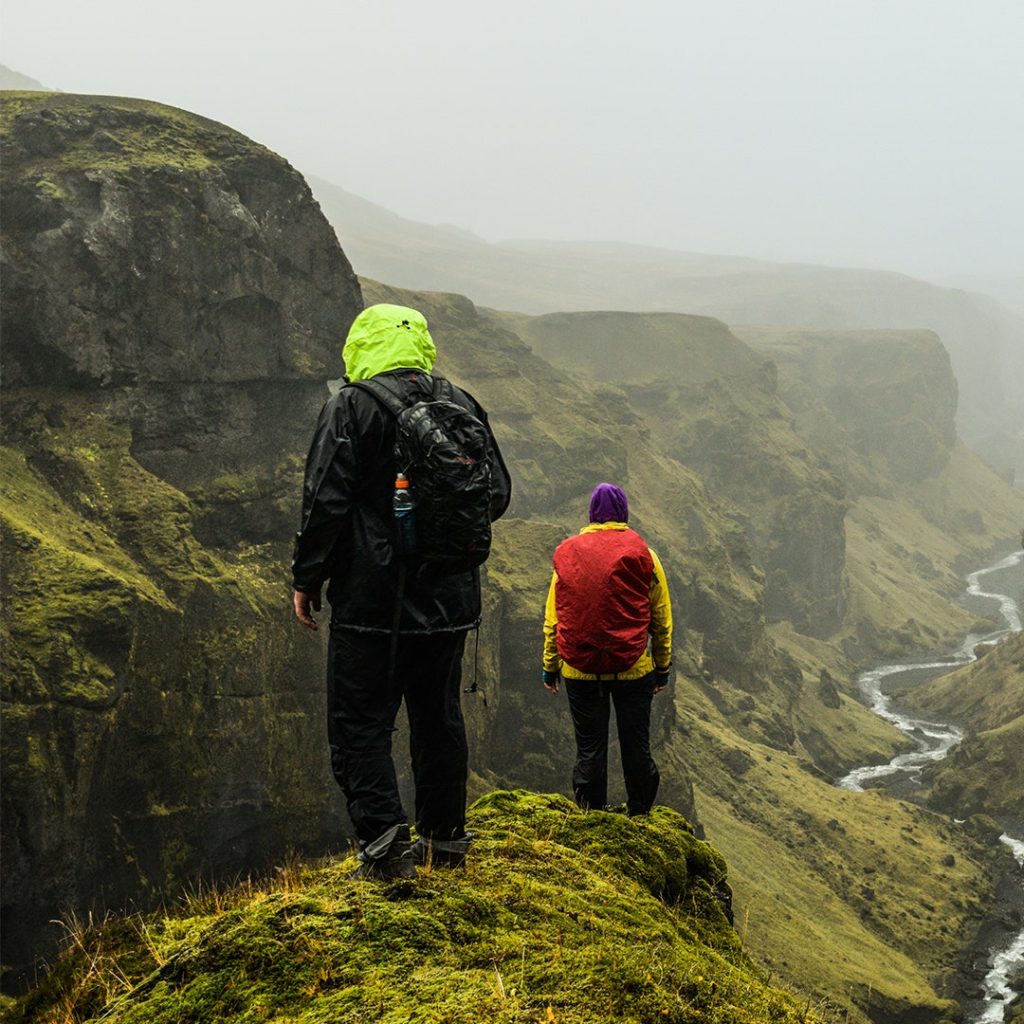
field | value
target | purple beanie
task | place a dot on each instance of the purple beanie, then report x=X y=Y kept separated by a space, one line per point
x=608 y=504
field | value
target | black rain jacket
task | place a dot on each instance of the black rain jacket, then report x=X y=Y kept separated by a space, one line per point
x=348 y=534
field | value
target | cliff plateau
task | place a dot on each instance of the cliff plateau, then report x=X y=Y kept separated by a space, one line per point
x=561 y=916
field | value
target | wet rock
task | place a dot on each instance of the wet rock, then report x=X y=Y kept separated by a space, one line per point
x=984 y=827
x=738 y=762
x=827 y=691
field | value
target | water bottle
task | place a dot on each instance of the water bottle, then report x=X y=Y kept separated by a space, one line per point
x=403 y=506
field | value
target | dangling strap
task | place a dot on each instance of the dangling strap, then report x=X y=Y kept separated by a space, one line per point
x=474 y=687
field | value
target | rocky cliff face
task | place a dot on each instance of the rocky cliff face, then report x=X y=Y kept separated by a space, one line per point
x=740 y=438
x=886 y=397
x=172 y=303
x=878 y=407
x=178 y=270
x=711 y=403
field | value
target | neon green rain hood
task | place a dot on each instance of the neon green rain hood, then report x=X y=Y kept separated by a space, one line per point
x=386 y=337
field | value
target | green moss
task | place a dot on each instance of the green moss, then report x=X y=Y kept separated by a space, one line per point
x=235 y=487
x=560 y=916
x=50 y=189
x=113 y=134
x=985 y=772
x=93 y=546
x=984 y=695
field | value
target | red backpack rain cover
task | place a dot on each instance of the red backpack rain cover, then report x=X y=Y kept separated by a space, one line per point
x=603 y=600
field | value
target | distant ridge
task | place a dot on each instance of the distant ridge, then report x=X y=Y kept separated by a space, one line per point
x=985 y=340
x=10 y=79
x=1008 y=290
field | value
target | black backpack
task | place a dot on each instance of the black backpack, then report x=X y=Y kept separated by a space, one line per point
x=443 y=449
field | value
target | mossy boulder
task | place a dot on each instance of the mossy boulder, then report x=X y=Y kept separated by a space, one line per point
x=560 y=916
x=183 y=276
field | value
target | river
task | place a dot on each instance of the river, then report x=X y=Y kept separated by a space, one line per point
x=933 y=741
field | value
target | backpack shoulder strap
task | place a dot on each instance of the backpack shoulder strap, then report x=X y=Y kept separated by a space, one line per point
x=442 y=388
x=385 y=395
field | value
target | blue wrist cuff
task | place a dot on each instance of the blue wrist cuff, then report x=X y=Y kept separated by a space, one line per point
x=547 y=678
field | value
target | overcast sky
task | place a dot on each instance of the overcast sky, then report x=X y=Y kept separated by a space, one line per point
x=884 y=133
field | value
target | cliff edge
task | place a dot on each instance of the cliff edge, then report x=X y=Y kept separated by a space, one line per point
x=560 y=915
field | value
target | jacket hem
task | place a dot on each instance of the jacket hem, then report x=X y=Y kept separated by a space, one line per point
x=386 y=631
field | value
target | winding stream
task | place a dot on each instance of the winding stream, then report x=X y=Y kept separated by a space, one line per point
x=934 y=740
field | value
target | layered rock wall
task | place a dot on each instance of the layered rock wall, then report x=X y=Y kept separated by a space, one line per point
x=172 y=303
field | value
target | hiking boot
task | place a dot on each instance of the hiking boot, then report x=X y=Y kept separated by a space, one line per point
x=389 y=856
x=442 y=853
x=387 y=869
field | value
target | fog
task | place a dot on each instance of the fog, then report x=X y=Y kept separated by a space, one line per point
x=882 y=134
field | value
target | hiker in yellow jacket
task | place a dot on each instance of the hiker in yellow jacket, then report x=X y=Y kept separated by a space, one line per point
x=608 y=601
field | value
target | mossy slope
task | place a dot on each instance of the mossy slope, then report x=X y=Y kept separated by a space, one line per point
x=985 y=773
x=560 y=916
x=854 y=897
x=635 y=348
x=159 y=712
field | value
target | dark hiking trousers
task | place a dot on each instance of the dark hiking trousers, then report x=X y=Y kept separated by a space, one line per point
x=590 y=703
x=362 y=704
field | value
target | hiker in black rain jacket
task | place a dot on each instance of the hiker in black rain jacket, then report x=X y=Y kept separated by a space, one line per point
x=389 y=638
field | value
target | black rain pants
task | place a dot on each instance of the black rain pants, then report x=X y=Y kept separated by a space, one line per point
x=363 y=698
x=590 y=702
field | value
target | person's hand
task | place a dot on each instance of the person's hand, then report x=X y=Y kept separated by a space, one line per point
x=550 y=681
x=305 y=604
x=660 y=680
